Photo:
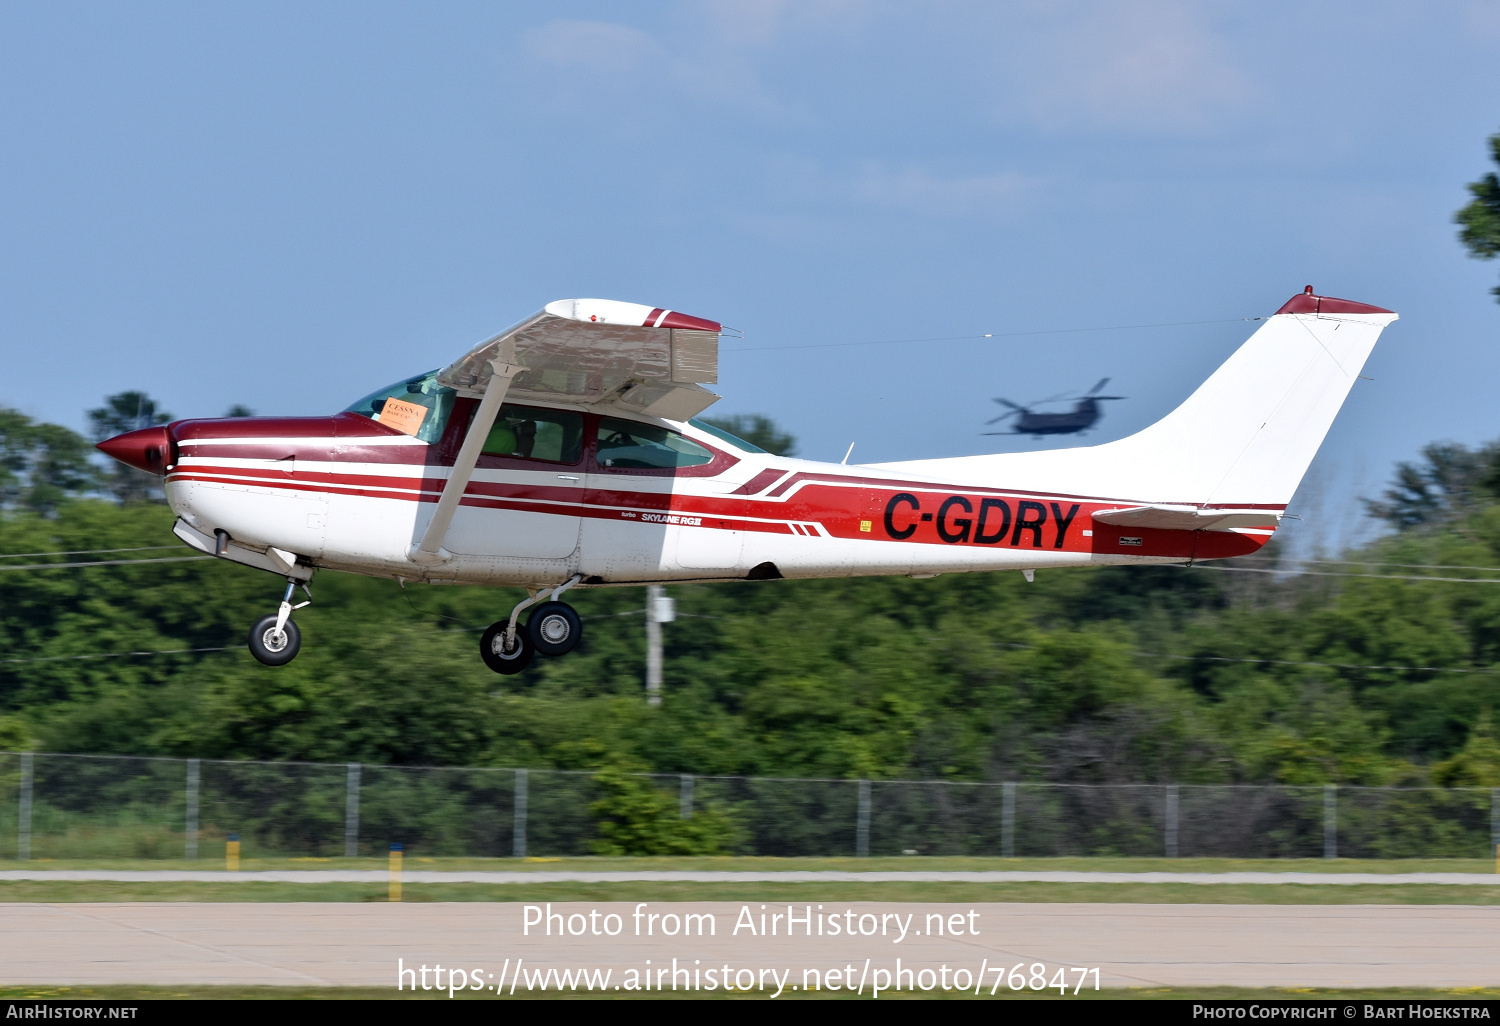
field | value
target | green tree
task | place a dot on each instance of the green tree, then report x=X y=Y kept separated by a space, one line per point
x=1481 y=218
x=757 y=429
x=1451 y=481
x=635 y=818
x=129 y=411
x=1477 y=764
x=41 y=464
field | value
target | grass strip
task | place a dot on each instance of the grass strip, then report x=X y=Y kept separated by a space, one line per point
x=733 y=863
x=46 y=891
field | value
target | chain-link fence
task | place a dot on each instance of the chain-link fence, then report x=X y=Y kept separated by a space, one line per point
x=83 y=807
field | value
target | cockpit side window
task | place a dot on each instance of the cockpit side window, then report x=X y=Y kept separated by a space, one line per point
x=418 y=406
x=534 y=433
x=628 y=444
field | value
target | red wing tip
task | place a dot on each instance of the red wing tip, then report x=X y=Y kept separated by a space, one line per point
x=660 y=318
x=1306 y=302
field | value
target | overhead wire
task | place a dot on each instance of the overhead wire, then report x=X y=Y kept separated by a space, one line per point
x=1351 y=562
x=1291 y=662
x=707 y=616
x=118 y=655
x=1294 y=662
x=84 y=552
x=998 y=334
x=103 y=562
x=1334 y=573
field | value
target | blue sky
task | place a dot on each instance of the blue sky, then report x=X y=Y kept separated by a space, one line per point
x=287 y=206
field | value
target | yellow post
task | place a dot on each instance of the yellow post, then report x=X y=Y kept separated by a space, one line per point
x=232 y=853
x=395 y=872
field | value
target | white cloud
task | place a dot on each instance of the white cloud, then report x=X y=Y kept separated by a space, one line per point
x=585 y=56
x=762 y=23
x=1482 y=20
x=597 y=46
x=917 y=190
x=1153 y=66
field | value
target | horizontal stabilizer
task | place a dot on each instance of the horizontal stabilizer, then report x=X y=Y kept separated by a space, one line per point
x=1189 y=518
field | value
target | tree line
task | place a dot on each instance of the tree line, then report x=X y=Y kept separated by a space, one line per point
x=1108 y=675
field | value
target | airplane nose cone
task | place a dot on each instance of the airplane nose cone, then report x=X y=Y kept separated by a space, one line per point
x=149 y=449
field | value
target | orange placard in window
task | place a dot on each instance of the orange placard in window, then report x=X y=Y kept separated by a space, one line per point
x=405 y=417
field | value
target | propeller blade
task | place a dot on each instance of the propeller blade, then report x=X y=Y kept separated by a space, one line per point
x=1013 y=406
x=1102 y=383
x=1002 y=416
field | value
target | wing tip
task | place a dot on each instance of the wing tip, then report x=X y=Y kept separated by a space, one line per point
x=660 y=317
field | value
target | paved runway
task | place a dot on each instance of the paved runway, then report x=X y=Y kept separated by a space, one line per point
x=1131 y=945
x=739 y=876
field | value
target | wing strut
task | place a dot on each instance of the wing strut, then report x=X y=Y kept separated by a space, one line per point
x=429 y=551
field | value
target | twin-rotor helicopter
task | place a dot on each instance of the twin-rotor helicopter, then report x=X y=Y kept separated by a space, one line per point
x=1080 y=418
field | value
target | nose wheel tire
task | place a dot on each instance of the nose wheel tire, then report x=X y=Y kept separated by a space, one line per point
x=554 y=628
x=273 y=647
x=500 y=659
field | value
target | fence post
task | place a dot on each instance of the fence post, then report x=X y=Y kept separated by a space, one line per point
x=23 y=832
x=1008 y=820
x=685 y=797
x=351 y=811
x=1330 y=821
x=1171 y=818
x=518 y=833
x=862 y=821
x=190 y=828
x=1494 y=820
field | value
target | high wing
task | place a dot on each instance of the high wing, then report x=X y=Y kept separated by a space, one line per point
x=648 y=360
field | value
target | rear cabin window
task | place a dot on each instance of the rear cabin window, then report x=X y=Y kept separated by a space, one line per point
x=418 y=406
x=532 y=433
x=629 y=445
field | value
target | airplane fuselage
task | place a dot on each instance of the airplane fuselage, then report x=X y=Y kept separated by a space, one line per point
x=347 y=493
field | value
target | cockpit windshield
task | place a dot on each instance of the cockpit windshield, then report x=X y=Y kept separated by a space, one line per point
x=724 y=436
x=418 y=406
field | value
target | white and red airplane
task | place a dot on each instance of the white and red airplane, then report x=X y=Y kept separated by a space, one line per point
x=563 y=453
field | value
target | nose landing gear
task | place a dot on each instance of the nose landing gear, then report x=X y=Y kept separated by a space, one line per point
x=275 y=639
x=553 y=629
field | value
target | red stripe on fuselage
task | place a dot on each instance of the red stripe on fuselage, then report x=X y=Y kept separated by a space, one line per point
x=759 y=482
x=921 y=513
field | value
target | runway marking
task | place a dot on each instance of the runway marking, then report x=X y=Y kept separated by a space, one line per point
x=84 y=912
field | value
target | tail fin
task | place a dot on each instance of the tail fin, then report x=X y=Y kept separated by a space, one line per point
x=1243 y=439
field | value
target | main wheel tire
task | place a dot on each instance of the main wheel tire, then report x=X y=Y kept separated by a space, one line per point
x=554 y=628
x=492 y=649
x=273 y=647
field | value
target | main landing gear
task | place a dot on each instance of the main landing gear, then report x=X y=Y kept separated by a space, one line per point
x=275 y=639
x=553 y=629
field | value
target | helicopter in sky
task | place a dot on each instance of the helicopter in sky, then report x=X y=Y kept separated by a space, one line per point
x=1084 y=414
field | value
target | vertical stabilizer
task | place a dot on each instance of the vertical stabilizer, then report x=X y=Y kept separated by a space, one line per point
x=1244 y=438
